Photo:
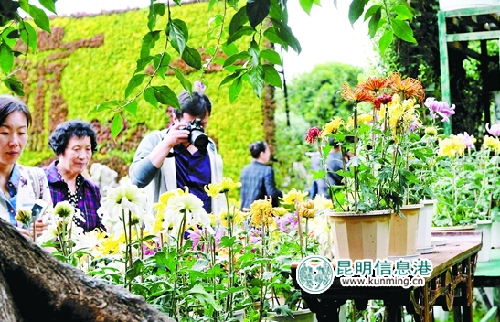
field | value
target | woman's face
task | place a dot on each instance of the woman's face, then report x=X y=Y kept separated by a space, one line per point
x=13 y=138
x=266 y=154
x=77 y=154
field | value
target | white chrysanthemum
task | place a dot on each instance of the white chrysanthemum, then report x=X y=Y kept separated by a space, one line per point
x=192 y=206
x=120 y=200
x=49 y=234
x=89 y=241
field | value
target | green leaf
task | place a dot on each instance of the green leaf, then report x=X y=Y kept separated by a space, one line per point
x=40 y=17
x=356 y=9
x=161 y=65
x=230 y=77
x=243 y=31
x=271 y=56
x=28 y=35
x=403 y=12
x=131 y=107
x=256 y=75
x=238 y=20
x=142 y=63
x=157 y=9
x=285 y=33
x=235 y=89
x=233 y=58
x=104 y=106
x=403 y=30
x=14 y=85
x=254 y=53
x=211 y=4
x=49 y=5
x=148 y=42
x=270 y=33
x=230 y=49
x=116 y=125
x=135 y=81
x=272 y=76
x=165 y=95
x=149 y=96
x=6 y=58
x=226 y=241
x=306 y=5
x=385 y=41
x=373 y=24
x=10 y=36
x=257 y=10
x=372 y=10
x=186 y=84
x=192 y=57
x=199 y=292
x=178 y=34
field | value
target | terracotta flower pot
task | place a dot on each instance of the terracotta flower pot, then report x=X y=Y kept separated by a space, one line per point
x=360 y=236
x=403 y=233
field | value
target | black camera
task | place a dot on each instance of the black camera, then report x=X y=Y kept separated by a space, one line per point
x=197 y=136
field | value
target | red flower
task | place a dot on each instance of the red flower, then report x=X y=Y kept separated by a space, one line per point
x=312 y=134
x=382 y=99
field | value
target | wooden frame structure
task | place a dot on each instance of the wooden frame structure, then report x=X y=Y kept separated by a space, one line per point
x=490 y=21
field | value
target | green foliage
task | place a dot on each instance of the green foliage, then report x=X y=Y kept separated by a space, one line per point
x=94 y=75
x=316 y=96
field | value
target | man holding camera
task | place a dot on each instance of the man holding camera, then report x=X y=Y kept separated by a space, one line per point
x=180 y=156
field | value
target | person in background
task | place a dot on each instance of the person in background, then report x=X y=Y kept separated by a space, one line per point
x=166 y=160
x=74 y=142
x=333 y=163
x=19 y=185
x=257 y=178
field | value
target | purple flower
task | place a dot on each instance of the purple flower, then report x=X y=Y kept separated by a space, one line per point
x=287 y=222
x=495 y=129
x=194 y=236
x=442 y=109
x=254 y=236
x=415 y=126
x=468 y=140
x=199 y=86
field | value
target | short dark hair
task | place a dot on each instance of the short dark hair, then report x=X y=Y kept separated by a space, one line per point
x=59 y=138
x=197 y=105
x=10 y=104
x=257 y=148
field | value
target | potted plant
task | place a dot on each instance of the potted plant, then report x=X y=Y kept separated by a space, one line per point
x=376 y=176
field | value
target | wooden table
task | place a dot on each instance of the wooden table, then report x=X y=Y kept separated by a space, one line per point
x=450 y=284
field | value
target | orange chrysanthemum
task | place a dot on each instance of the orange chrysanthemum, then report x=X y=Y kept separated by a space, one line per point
x=409 y=87
x=375 y=84
x=359 y=94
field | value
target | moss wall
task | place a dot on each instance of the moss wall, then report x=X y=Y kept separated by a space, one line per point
x=90 y=59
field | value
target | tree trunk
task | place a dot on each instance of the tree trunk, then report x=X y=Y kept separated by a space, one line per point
x=34 y=286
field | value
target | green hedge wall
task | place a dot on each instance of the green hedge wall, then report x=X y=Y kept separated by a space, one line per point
x=90 y=59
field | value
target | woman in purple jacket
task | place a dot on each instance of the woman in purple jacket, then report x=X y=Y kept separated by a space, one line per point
x=74 y=142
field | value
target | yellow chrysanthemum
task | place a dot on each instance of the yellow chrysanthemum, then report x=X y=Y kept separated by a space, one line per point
x=279 y=211
x=111 y=245
x=235 y=216
x=431 y=130
x=333 y=126
x=214 y=190
x=213 y=219
x=365 y=118
x=160 y=206
x=492 y=142
x=294 y=196
x=452 y=146
x=306 y=209
x=261 y=211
